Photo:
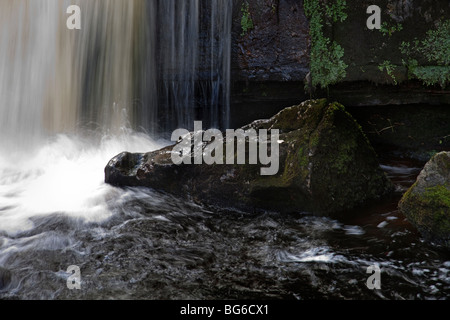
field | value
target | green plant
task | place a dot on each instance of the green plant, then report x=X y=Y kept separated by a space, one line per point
x=246 y=20
x=390 y=68
x=431 y=75
x=435 y=48
x=327 y=65
x=336 y=11
x=386 y=29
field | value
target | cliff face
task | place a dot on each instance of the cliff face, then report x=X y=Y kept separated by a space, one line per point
x=270 y=41
x=287 y=51
x=282 y=40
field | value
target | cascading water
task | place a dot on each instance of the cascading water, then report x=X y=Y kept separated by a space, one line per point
x=72 y=99
x=28 y=45
x=55 y=80
x=194 y=62
x=178 y=59
x=129 y=58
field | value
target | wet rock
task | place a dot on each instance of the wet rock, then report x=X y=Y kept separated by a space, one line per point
x=427 y=203
x=153 y=169
x=326 y=166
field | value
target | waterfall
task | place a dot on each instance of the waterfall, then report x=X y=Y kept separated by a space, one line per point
x=179 y=22
x=220 y=63
x=28 y=43
x=151 y=65
x=70 y=100
x=195 y=44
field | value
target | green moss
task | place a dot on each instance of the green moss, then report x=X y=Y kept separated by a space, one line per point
x=302 y=156
x=344 y=164
x=335 y=107
x=343 y=141
x=288 y=120
x=305 y=116
x=343 y=161
x=268 y=181
x=297 y=161
x=314 y=140
x=437 y=196
x=326 y=164
x=429 y=211
x=444 y=161
x=291 y=170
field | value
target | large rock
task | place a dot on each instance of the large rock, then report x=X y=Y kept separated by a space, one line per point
x=326 y=166
x=427 y=203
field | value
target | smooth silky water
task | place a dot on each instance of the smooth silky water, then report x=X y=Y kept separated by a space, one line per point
x=71 y=101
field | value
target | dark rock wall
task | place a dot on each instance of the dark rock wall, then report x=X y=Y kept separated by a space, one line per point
x=366 y=49
x=270 y=63
x=277 y=48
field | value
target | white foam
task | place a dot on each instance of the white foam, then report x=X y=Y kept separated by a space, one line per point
x=66 y=176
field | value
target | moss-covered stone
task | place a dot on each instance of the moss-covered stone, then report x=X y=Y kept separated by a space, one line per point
x=427 y=203
x=326 y=166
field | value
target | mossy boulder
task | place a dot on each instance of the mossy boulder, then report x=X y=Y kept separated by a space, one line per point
x=427 y=203
x=326 y=166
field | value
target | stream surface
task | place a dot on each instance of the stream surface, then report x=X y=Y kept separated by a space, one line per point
x=134 y=243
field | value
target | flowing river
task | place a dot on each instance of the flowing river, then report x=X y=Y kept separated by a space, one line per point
x=55 y=211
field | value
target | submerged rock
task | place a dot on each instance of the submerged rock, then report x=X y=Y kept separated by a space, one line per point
x=326 y=166
x=427 y=203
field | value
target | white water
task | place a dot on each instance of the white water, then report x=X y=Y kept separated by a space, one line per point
x=65 y=176
x=53 y=83
x=71 y=100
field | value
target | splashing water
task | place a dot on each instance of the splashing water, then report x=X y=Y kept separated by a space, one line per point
x=58 y=86
x=64 y=176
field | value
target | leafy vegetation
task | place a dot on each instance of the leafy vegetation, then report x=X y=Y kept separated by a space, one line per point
x=389 y=68
x=336 y=11
x=327 y=65
x=388 y=30
x=246 y=20
x=436 y=49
